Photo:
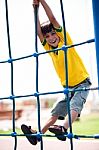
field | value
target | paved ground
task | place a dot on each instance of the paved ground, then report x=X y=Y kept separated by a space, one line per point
x=48 y=144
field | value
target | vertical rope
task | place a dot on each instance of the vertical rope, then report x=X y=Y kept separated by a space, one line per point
x=37 y=65
x=66 y=72
x=11 y=62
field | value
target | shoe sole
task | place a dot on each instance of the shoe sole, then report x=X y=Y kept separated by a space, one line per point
x=26 y=130
x=58 y=134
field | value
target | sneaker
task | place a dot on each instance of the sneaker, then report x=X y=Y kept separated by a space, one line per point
x=27 y=130
x=59 y=132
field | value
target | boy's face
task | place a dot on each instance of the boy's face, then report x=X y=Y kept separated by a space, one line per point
x=52 y=38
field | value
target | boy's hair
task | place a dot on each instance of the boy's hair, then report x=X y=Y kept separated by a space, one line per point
x=46 y=27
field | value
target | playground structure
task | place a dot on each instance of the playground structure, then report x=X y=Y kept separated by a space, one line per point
x=35 y=55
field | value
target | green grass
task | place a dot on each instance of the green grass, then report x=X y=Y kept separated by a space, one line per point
x=18 y=131
x=87 y=125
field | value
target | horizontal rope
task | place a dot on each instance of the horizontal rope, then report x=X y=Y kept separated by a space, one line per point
x=65 y=91
x=64 y=48
x=69 y=135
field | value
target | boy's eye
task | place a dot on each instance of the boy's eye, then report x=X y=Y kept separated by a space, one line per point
x=46 y=36
x=52 y=33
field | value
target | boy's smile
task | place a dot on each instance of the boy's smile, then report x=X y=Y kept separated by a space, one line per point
x=52 y=38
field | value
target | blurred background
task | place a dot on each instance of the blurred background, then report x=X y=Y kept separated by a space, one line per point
x=79 y=23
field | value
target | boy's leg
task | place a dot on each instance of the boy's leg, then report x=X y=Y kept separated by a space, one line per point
x=60 y=131
x=49 y=123
x=27 y=130
x=76 y=106
x=74 y=115
x=59 y=110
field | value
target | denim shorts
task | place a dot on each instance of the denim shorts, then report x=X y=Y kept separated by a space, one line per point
x=76 y=99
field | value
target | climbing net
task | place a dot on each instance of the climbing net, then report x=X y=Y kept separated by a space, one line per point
x=37 y=94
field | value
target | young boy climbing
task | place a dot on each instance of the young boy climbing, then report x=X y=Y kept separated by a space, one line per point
x=51 y=36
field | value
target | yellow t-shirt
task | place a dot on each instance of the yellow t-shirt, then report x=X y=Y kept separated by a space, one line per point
x=76 y=70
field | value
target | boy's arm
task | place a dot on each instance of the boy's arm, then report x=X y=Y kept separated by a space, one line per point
x=50 y=14
x=39 y=32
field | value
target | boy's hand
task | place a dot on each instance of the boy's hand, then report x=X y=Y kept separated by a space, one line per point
x=35 y=3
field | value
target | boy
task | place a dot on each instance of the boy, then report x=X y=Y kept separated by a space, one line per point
x=51 y=37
